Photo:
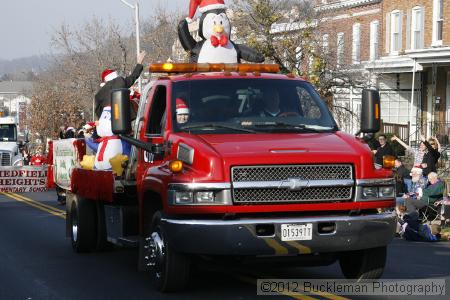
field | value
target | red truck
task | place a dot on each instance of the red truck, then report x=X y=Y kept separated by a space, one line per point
x=256 y=171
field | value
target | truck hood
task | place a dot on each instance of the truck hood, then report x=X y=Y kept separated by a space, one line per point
x=8 y=146
x=304 y=148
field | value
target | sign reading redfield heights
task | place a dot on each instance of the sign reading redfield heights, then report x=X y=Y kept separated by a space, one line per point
x=24 y=179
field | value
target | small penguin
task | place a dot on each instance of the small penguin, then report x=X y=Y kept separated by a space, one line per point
x=109 y=145
x=215 y=46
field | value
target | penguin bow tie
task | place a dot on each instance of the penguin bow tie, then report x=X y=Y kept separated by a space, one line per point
x=215 y=41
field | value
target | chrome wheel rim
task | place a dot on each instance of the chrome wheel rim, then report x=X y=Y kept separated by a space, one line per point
x=74 y=218
x=156 y=253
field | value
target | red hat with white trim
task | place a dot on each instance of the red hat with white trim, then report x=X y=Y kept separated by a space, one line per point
x=108 y=75
x=204 y=5
x=89 y=125
x=182 y=108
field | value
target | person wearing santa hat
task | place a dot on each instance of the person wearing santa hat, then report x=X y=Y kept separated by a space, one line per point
x=182 y=111
x=111 y=81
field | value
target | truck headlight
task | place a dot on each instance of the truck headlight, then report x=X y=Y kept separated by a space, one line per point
x=370 y=192
x=184 y=197
x=18 y=163
x=386 y=191
x=204 y=197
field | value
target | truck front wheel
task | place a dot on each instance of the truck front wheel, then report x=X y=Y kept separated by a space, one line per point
x=170 y=269
x=363 y=264
x=83 y=225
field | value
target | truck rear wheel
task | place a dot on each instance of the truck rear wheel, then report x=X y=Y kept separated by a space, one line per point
x=363 y=264
x=170 y=269
x=83 y=225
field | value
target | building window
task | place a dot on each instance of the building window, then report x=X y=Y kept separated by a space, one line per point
x=396 y=31
x=356 y=43
x=325 y=43
x=438 y=21
x=374 y=44
x=340 y=49
x=417 y=28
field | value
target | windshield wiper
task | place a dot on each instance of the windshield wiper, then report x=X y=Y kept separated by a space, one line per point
x=288 y=126
x=211 y=125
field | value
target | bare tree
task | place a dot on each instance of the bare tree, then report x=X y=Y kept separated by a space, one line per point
x=63 y=95
x=160 y=34
x=290 y=33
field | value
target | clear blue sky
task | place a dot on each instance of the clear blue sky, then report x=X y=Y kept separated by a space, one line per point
x=26 y=25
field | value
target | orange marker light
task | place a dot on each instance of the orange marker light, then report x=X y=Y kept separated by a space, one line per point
x=176 y=166
x=219 y=67
x=377 y=111
x=116 y=111
x=388 y=161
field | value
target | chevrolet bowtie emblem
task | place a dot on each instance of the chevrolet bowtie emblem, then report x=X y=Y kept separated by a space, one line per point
x=294 y=184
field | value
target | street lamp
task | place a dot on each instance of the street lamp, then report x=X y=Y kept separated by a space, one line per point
x=138 y=43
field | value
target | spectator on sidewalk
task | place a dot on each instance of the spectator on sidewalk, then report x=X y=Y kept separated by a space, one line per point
x=415 y=191
x=431 y=156
x=403 y=178
x=383 y=150
x=418 y=154
x=432 y=193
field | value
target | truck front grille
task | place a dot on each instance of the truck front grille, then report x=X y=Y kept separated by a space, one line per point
x=311 y=172
x=292 y=184
x=262 y=196
x=5 y=158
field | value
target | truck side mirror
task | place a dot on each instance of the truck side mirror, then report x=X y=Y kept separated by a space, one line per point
x=120 y=111
x=370 y=111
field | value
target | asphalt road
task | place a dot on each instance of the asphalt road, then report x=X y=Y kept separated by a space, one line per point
x=37 y=262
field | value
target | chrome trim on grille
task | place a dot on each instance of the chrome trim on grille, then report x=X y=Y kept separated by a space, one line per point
x=375 y=181
x=306 y=195
x=291 y=184
x=200 y=186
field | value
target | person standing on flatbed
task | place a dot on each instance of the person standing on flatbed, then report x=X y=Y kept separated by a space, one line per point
x=111 y=81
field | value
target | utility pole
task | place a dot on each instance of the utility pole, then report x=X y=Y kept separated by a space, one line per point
x=138 y=42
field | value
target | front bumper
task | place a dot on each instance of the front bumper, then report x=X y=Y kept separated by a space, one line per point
x=239 y=237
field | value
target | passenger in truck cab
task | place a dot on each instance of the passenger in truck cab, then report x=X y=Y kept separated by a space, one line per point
x=182 y=111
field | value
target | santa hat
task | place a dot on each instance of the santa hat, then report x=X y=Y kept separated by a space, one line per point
x=70 y=129
x=204 y=5
x=108 y=75
x=89 y=125
x=182 y=108
x=135 y=95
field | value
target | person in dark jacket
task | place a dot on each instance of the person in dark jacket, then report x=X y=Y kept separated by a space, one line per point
x=431 y=156
x=111 y=81
x=384 y=149
x=402 y=178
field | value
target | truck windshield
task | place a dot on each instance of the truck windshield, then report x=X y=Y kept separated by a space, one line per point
x=249 y=106
x=8 y=132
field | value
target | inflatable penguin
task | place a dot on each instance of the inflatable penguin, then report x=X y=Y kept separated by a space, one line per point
x=215 y=31
x=109 y=144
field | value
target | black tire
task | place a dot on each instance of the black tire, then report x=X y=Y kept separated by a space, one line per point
x=102 y=242
x=172 y=273
x=83 y=225
x=363 y=264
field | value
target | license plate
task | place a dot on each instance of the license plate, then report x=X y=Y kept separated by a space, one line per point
x=296 y=232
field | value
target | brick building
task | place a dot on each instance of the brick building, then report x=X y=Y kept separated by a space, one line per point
x=415 y=65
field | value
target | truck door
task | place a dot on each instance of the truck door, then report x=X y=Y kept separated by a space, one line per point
x=152 y=131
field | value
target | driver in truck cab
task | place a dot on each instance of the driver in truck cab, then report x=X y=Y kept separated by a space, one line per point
x=271 y=101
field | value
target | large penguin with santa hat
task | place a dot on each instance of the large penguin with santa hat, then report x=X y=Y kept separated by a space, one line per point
x=215 y=31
